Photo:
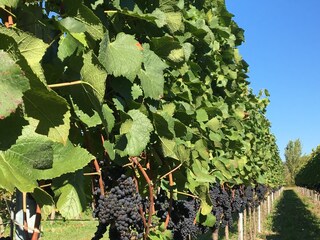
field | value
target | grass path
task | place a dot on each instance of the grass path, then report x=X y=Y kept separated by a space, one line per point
x=293 y=219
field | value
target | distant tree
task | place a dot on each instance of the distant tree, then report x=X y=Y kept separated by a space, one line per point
x=293 y=158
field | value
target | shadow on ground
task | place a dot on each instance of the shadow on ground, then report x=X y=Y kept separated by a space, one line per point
x=293 y=221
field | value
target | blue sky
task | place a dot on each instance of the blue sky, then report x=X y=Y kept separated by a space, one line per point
x=283 y=50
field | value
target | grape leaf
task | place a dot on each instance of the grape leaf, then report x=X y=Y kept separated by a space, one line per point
x=70 y=194
x=122 y=57
x=174 y=21
x=94 y=74
x=39 y=102
x=85 y=16
x=31 y=48
x=73 y=25
x=137 y=133
x=152 y=80
x=35 y=157
x=13 y=84
x=136 y=91
x=9 y=3
x=68 y=45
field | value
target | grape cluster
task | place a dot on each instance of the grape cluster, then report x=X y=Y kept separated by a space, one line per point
x=248 y=196
x=261 y=191
x=222 y=208
x=238 y=205
x=120 y=209
x=161 y=205
x=183 y=219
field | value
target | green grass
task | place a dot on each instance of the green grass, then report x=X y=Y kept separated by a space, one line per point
x=292 y=219
x=58 y=229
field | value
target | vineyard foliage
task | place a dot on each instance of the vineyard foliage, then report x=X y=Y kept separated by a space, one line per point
x=161 y=81
x=309 y=176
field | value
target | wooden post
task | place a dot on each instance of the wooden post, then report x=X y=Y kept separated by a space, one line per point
x=25 y=215
x=226 y=232
x=240 y=226
x=250 y=223
x=254 y=223
x=268 y=204
x=245 y=224
x=215 y=234
x=259 y=218
x=1 y=227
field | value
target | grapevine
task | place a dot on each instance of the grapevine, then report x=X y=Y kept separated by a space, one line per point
x=149 y=99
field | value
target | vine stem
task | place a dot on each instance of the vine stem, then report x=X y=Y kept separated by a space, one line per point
x=110 y=11
x=97 y=167
x=9 y=12
x=186 y=194
x=56 y=85
x=92 y=174
x=95 y=162
x=171 y=183
x=24 y=209
x=150 y=184
x=36 y=231
x=45 y=185
x=171 y=171
x=140 y=207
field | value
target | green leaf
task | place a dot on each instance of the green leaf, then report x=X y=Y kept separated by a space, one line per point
x=68 y=45
x=11 y=176
x=138 y=134
x=9 y=3
x=202 y=115
x=108 y=118
x=213 y=124
x=207 y=220
x=121 y=57
x=42 y=197
x=174 y=21
x=160 y=17
x=201 y=174
x=35 y=157
x=37 y=151
x=39 y=102
x=152 y=80
x=109 y=148
x=203 y=192
x=164 y=125
x=240 y=111
x=66 y=159
x=90 y=121
x=71 y=197
x=188 y=48
x=163 y=46
x=84 y=15
x=136 y=91
x=13 y=84
x=220 y=165
x=31 y=48
x=168 y=148
x=11 y=129
x=201 y=147
x=168 y=5
x=176 y=55
x=73 y=25
x=210 y=220
x=152 y=84
x=94 y=74
x=126 y=126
